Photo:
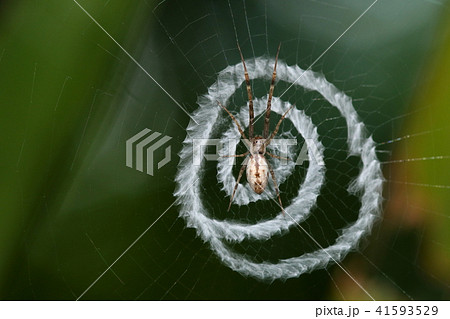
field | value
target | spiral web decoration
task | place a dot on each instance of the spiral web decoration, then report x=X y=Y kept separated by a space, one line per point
x=219 y=233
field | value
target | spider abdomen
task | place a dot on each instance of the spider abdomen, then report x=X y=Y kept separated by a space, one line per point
x=257 y=173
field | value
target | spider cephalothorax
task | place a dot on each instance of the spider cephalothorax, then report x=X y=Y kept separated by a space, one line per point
x=258 y=167
x=258 y=146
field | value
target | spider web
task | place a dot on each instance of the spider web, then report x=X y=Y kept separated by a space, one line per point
x=111 y=232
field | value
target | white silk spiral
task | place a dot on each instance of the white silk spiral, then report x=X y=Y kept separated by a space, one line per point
x=219 y=233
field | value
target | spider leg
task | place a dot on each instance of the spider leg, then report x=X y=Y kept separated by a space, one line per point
x=249 y=93
x=235 y=121
x=240 y=155
x=278 y=126
x=276 y=186
x=237 y=183
x=269 y=101
x=278 y=157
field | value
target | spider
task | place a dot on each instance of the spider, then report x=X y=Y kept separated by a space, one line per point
x=258 y=167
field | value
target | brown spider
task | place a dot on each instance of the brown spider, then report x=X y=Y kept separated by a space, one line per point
x=258 y=167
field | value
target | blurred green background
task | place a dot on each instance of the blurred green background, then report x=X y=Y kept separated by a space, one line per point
x=70 y=98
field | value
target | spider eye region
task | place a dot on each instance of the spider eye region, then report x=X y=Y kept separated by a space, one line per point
x=258 y=146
